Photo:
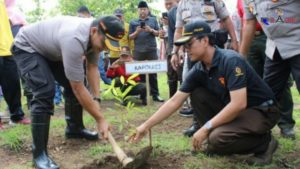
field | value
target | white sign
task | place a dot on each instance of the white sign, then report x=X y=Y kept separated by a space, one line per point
x=144 y=67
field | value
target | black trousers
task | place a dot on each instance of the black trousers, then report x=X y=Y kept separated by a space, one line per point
x=138 y=89
x=174 y=76
x=256 y=58
x=10 y=83
x=277 y=75
x=26 y=90
x=142 y=56
x=277 y=72
x=249 y=132
x=40 y=75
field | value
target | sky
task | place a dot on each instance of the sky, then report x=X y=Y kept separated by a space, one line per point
x=27 y=5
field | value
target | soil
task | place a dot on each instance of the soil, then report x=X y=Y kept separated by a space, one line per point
x=163 y=161
x=71 y=153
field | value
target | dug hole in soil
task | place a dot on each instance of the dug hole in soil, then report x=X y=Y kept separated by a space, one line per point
x=161 y=162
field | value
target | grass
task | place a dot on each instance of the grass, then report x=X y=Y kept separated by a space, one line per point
x=99 y=150
x=13 y=138
x=169 y=142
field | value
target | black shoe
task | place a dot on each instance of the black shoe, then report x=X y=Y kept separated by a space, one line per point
x=190 y=131
x=186 y=112
x=81 y=133
x=264 y=158
x=156 y=98
x=288 y=133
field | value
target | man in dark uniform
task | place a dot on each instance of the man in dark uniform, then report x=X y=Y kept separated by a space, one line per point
x=235 y=105
x=52 y=50
x=211 y=11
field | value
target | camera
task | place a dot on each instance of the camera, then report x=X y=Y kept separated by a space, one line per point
x=142 y=24
x=165 y=15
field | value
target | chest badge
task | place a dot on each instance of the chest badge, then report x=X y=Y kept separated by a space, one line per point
x=222 y=81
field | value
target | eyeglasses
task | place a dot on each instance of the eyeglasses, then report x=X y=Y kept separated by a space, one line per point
x=189 y=44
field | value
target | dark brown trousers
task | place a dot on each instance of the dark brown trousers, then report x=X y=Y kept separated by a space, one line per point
x=249 y=133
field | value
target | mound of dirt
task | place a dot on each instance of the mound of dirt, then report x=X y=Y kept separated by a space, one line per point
x=109 y=162
x=160 y=162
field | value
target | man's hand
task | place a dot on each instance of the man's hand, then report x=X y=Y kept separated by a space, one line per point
x=103 y=128
x=177 y=59
x=138 y=29
x=199 y=137
x=141 y=131
x=148 y=29
x=235 y=46
x=161 y=34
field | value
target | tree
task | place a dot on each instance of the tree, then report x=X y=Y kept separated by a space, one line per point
x=103 y=7
x=36 y=14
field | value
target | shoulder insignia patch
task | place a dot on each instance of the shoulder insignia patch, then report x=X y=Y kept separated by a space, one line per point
x=238 y=72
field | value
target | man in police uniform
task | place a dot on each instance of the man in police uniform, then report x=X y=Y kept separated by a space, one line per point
x=281 y=23
x=256 y=58
x=210 y=11
x=236 y=105
x=52 y=50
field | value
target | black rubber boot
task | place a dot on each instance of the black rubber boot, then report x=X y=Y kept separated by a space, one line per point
x=73 y=116
x=40 y=131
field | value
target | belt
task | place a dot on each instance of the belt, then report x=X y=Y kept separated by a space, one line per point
x=267 y=103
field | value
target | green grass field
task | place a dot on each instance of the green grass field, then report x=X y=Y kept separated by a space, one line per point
x=167 y=139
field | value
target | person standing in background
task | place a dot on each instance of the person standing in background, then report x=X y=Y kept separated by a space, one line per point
x=18 y=20
x=9 y=77
x=279 y=62
x=144 y=31
x=169 y=20
x=125 y=41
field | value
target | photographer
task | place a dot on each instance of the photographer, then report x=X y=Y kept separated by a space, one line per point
x=143 y=31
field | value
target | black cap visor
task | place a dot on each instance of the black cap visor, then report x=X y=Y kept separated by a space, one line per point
x=183 y=40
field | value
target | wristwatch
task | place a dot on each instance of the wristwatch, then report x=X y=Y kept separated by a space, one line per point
x=208 y=125
x=97 y=99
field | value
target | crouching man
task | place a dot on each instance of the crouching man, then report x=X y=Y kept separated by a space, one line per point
x=51 y=51
x=234 y=106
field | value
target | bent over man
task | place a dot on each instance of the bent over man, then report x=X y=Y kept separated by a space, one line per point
x=52 y=50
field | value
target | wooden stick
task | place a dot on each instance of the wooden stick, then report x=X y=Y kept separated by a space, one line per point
x=123 y=158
